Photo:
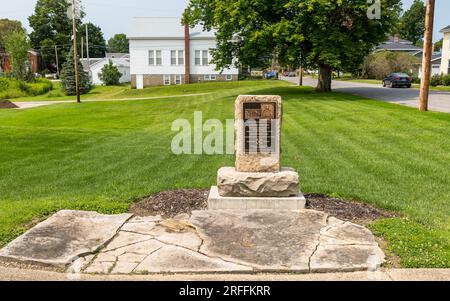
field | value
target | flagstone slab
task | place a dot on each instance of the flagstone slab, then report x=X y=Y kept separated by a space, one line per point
x=64 y=237
x=173 y=259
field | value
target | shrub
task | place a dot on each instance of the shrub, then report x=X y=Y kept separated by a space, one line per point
x=436 y=80
x=110 y=74
x=446 y=80
x=41 y=86
x=380 y=64
x=415 y=80
x=4 y=84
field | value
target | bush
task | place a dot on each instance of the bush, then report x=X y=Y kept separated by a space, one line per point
x=436 y=80
x=13 y=88
x=446 y=80
x=380 y=64
x=110 y=74
x=415 y=80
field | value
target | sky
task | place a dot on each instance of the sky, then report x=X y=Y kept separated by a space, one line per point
x=114 y=16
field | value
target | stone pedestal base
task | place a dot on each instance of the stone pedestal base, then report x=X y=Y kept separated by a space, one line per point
x=232 y=183
x=217 y=202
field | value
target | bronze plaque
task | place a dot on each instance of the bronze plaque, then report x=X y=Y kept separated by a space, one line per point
x=256 y=138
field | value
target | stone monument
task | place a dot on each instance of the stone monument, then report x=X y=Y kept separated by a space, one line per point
x=257 y=181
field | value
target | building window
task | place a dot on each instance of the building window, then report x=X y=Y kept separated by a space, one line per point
x=158 y=58
x=166 y=79
x=178 y=79
x=173 y=57
x=205 y=57
x=229 y=77
x=180 y=57
x=151 y=57
x=197 y=57
x=207 y=77
x=213 y=77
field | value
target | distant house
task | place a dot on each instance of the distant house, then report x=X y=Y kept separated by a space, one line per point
x=395 y=44
x=445 y=61
x=34 y=58
x=164 y=52
x=95 y=65
x=435 y=65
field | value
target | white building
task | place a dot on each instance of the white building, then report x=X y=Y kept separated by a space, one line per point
x=445 y=61
x=164 y=52
x=121 y=61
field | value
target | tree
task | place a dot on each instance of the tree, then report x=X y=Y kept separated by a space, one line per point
x=119 y=44
x=8 y=27
x=412 y=23
x=17 y=46
x=379 y=65
x=97 y=43
x=110 y=74
x=324 y=34
x=438 y=45
x=52 y=26
x=68 y=85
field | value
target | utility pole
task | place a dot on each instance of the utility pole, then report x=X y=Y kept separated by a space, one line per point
x=427 y=53
x=75 y=51
x=82 y=48
x=87 y=47
x=57 y=61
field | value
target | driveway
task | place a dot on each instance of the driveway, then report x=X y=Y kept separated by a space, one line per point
x=438 y=101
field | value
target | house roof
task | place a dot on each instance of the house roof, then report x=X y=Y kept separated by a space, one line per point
x=394 y=43
x=445 y=29
x=120 y=62
x=164 y=28
x=112 y=55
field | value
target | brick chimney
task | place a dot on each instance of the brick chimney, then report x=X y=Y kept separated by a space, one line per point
x=187 y=55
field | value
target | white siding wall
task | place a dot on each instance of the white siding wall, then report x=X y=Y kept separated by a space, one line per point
x=445 y=54
x=139 y=52
x=97 y=68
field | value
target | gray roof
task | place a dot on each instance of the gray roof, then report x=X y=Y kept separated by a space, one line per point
x=112 y=55
x=398 y=47
x=164 y=28
x=445 y=29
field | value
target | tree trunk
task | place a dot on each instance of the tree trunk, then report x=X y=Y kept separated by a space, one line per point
x=324 y=83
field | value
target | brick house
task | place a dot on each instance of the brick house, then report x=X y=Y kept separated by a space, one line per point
x=164 y=52
x=33 y=59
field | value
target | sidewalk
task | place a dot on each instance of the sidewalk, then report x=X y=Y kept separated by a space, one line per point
x=16 y=274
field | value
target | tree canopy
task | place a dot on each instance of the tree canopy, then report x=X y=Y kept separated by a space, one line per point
x=412 y=22
x=68 y=85
x=119 y=43
x=51 y=26
x=17 y=46
x=97 y=43
x=8 y=27
x=324 y=34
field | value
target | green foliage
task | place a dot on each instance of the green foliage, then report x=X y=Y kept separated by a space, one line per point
x=446 y=80
x=436 y=80
x=325 y=34
x=110 y=74
x=7 y=27
x=380 y=64
x=13 y=88
x=17 y=46
x=97 y=43
x=438 y=45
x=119 y=43
x=412 y=23
x=51 y=26
x=68 y=83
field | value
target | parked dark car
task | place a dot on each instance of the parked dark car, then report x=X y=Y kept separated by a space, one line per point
x=395 y=80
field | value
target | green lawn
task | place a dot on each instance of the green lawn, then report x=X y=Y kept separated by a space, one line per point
x=125 y=91
x=106 y=155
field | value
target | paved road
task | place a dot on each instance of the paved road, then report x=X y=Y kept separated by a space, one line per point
x=439 y=101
